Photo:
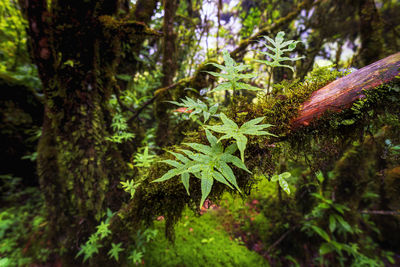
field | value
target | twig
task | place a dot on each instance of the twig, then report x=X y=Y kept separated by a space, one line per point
x=380 y=212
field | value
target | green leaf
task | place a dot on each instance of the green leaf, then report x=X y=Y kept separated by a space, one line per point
x=275 y=178
x=284 y=185
x=197 y=107
x=206 y=185
x=144 y=159
x=279 y=46
x=231 y=72
x=332 y=223
x=103 y=230
x=326 y=248
x=343 y=223
x=231 y=130
x=185 y=180
x=136 y=256
x=321 y=233
x=208 y=162
x=115 y=250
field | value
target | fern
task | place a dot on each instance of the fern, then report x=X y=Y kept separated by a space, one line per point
x=120 y=127
x=145 y=159
x=278 y=49
x=231 y=73
x=88 y=249
x=115 y=250
x=136 y=256
x=130 y=186
x=197 y=107
x=232 y=130
x=207 y=164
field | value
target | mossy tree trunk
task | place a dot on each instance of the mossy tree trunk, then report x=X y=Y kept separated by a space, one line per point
x=76 y=45
x=169 y=67
x=371 y=28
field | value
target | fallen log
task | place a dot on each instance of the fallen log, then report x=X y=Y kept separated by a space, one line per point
x=342 y=93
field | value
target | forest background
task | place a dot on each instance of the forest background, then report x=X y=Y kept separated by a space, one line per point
x=101 y=98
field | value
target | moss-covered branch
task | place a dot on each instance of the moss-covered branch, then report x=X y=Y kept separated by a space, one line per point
x=169 y=198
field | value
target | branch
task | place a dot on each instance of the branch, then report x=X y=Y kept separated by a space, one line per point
x=342 y=93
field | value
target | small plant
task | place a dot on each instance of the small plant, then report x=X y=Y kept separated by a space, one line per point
x=232 y=75
x=130 y=186
x=93 y=245
x=231 y=130
x=281 y=178
x=277 y=50
x=145 y=159
x=211 y=163
x=115 y=250
x=120 y=127
x=197 y=107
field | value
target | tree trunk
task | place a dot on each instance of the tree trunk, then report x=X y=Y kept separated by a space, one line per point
x=169 y=67
x=76 y=56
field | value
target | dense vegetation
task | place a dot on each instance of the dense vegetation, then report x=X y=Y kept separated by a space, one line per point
x=121 y=120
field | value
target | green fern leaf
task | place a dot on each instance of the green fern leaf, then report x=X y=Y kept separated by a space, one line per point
x=231 y=130
x=115 y=250
x=279 y=46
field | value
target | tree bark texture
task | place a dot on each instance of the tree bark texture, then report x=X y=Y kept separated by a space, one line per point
x=169 y=67
x=371 y=28
x=76 y=49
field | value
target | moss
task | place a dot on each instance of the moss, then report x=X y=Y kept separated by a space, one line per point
x=199 y=241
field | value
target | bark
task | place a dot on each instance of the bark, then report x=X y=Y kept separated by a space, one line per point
x=371 y=28
x=341 y=93
x=76 y=47
x=169 y=67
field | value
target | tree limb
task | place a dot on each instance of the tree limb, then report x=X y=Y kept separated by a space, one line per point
x=341 y=94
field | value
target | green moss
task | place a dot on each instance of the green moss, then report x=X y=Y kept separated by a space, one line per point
x=200 y=241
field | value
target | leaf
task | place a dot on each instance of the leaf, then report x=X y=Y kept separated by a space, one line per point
x=279 y=46
x=275 y=178
x=196 y=107
x=206 y=185
x=284 y=185
x=115 y=250
x=321 y=233
x=231 y=72
x=325 y=248
x=343 y=223
x=207 y=163
x=332 y=223
x=185 y=180
x=231 y=130
x=136 y=256
x=103 y=230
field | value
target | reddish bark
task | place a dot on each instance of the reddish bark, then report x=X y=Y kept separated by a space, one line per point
x=340 y=94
